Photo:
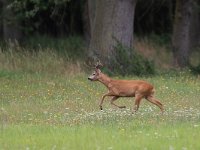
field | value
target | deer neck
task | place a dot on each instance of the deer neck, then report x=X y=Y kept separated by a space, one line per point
x=105 y=80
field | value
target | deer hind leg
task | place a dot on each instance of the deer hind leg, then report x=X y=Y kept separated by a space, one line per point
x=138 y=99
x=114 y=99
x=156 y=102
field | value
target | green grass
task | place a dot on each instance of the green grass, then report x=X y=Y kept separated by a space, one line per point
x=132 y=135
x=43 y=111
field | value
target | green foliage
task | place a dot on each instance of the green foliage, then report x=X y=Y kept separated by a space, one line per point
x=195 y=70
x=7 y=74
x=129 y=62
x=29 y=8
x=160 y=40
x=55 y=17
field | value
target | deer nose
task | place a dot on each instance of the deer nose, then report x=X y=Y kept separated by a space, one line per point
x=91 y=79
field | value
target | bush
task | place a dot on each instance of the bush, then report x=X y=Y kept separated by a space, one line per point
x=128 y=62
x=195 y=70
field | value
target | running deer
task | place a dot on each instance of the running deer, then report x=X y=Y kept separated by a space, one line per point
x=125 y=88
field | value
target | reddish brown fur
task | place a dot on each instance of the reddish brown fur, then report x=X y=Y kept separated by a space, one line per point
x=126 y=88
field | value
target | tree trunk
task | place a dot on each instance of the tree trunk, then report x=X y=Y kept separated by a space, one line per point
x=181 y=32
x=11 y=25
x=194 y=27
x=1 y=20
x=113 y=21
x=88 y=18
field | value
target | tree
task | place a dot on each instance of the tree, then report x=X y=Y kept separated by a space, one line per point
x=88 y=18
x=194 y=27
x=181 y=32
x=113 y=22
x=11 y=24
x=1 y=20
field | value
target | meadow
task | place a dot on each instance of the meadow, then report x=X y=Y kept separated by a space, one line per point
x=46 y=102
x=44 y=111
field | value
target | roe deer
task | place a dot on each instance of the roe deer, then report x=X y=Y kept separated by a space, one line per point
x=125 y=88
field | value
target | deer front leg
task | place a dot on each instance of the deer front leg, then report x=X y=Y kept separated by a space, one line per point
x=138 y=99
x=101 y=102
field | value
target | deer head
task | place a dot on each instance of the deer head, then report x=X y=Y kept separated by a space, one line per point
x=96 y=73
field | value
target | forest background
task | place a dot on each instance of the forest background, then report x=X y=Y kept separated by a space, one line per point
x=149 y=35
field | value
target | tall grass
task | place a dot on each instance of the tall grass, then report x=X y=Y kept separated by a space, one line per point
x=158 y=49
x=43 y=55
x=160 y=54
x=65 y=55
x=44 y=61
x=72 y=47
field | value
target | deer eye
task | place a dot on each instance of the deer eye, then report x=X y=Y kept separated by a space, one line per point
x=93 y=74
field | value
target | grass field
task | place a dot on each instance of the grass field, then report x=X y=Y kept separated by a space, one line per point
x=42 y=111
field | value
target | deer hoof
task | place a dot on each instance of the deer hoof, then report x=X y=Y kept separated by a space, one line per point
x=101 y=108
x=134 y=111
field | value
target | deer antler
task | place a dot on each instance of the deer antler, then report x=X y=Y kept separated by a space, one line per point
x=98 y=65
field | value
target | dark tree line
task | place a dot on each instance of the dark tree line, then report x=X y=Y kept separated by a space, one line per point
x=104 y=23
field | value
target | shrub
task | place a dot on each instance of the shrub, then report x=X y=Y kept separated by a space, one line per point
x=128 y=62
x=195 y=70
